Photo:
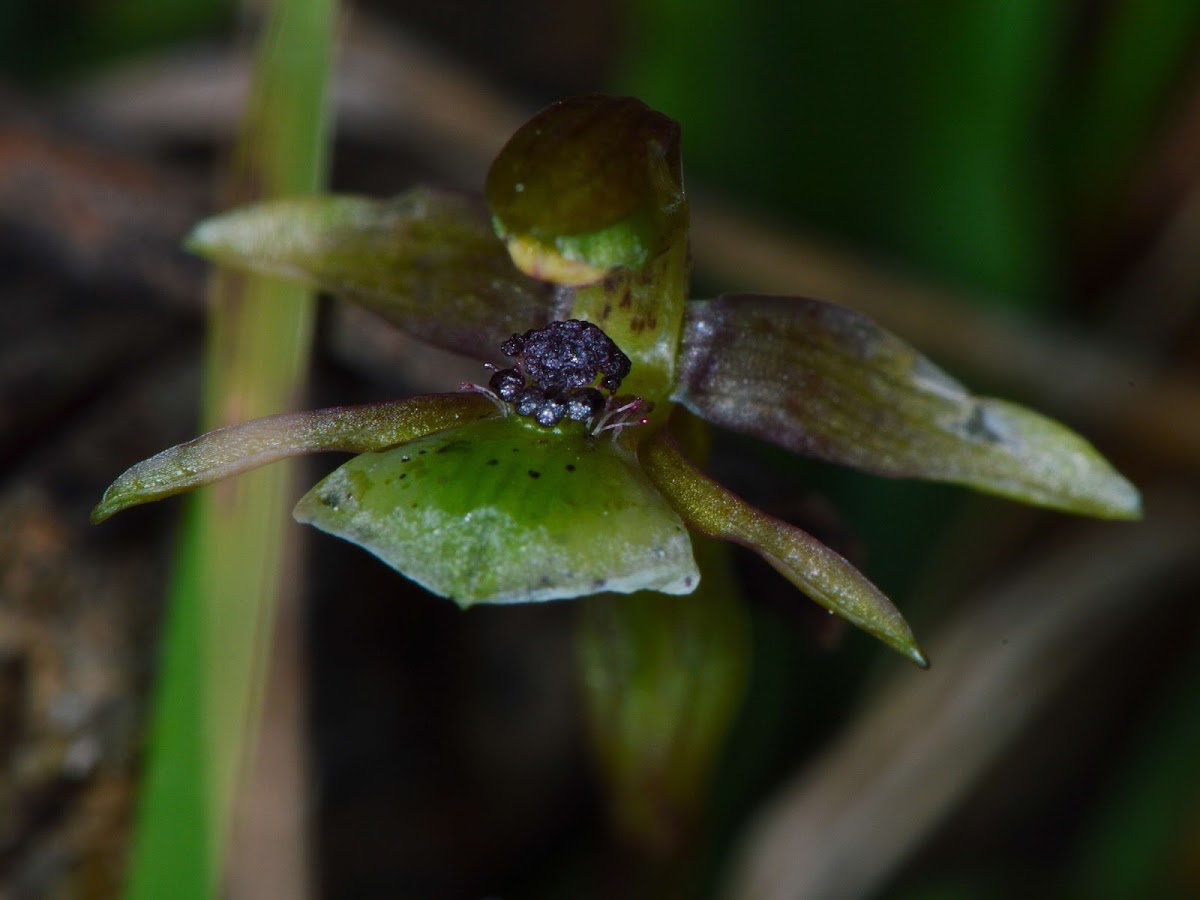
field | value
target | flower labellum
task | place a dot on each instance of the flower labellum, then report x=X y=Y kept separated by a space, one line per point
x=500 y=511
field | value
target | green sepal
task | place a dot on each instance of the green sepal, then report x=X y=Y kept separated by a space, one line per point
x=594 y=180
x=708 y=508
x=428 y=261
x=504 y=511
x=826 y=381
x=239 y=448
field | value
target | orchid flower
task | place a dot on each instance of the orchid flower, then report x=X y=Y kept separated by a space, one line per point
x=507 y=493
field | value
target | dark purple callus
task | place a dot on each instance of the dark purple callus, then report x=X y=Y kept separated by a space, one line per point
x=529 y=401
x=563 y=356
x=507 y=383
x=584 y=404
x=565 y=361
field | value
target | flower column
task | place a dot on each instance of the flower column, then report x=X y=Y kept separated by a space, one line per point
x=662 y=676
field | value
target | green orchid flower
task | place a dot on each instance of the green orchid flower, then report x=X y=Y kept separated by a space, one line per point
x=545 y=485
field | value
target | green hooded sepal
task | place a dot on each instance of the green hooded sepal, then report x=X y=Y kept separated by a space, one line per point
x=590 y=184
x=503 y=512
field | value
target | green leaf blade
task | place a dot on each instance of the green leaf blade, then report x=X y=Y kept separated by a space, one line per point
x=504 y=512
x=235 y=449
x=828 y=382
x=428 y=261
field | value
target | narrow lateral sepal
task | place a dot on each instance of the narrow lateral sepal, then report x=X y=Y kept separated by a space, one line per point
x=708 y=508
x=239 y=448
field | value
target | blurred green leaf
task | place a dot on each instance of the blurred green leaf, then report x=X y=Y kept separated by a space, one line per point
x=233 y=556
x=827 y=382
x=1127 y=83
x=1142 y=839
x=909 y=129
x=57 y=40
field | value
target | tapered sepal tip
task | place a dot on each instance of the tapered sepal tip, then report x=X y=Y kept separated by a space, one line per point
x=915 y=654
x=1120 y=500
x=121 y=495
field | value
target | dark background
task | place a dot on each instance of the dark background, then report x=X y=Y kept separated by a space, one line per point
x=1011 y=186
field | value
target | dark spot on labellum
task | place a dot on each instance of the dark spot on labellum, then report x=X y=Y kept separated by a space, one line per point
x=570 y=467
x=335 y=498
x=626 y=299
x=651 y=321
x=534 y=474
x=403 y=475
x=422 y=452
x=516 y=449
x=598 y=584
x=492 y=462
x=687 y=582
x=607 y=311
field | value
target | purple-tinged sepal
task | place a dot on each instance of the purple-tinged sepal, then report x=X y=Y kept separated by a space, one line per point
x=826 y=381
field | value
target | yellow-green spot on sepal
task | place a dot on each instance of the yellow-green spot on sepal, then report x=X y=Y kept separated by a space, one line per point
x=498 y=512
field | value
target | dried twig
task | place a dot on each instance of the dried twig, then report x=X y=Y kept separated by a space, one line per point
x=844 y=825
